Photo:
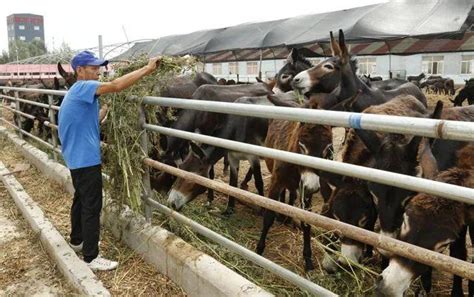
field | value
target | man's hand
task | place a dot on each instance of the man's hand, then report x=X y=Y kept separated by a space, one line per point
x=153 y=63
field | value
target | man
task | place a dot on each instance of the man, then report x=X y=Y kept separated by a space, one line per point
x=80 y=144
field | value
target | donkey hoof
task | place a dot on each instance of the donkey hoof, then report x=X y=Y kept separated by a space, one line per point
x=244 y=187
x=309 y=266
x=228 y=212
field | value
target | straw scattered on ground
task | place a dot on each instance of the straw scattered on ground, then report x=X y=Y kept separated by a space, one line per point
x=133 y=277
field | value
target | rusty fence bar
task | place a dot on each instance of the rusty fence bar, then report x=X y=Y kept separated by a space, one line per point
x=425 y=256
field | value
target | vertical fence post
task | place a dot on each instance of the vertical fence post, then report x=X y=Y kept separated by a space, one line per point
x=146 y=171
x=52 y=120
x=18 y=116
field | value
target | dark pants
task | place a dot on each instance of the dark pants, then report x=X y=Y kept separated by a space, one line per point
x=85 y=210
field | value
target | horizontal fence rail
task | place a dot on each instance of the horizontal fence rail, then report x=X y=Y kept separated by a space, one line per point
x=44 y=105
x=413 y=252
x=244 y=252
x=41 y=91
x=417 y=184
x=32 y=136
x=453 y=130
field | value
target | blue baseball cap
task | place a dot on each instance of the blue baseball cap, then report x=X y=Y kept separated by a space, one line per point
x=87 y=58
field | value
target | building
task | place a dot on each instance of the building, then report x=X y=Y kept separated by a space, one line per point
x=26 y=27
x=453 y=58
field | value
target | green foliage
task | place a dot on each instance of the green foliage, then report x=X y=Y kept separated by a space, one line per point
x=20 y=50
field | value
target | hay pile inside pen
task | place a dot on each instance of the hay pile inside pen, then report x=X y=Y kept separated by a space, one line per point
x=122 y=154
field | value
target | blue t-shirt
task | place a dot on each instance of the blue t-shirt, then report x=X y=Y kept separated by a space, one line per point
x=78 y=125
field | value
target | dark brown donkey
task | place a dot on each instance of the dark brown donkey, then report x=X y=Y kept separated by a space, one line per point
x=434 y=223
x=303 y=138
x=351 y=201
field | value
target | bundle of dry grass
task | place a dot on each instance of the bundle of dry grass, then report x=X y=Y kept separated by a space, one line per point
x=123 y=154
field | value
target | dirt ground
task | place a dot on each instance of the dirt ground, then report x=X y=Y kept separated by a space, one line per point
x=29 y=266
x=26 y=269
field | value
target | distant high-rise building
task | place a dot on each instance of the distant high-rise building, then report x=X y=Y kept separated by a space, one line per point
x=25 y=26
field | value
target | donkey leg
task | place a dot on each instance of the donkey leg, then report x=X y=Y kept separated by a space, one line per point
x=471 y=283
x=210 y=192
x=282 y=198
x=257 y=175
x=244 y=184
x=458 y=250
x=307 y=254
x=426 y=279
x=268 y=218
x=226 y=165
x=233 y=180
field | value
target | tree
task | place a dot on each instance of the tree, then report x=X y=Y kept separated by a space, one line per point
x=4 y=58
x=20 y=50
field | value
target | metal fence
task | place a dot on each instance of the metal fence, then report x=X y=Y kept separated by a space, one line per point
x=452 y=130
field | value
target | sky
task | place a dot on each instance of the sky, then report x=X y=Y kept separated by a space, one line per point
x=78 y=23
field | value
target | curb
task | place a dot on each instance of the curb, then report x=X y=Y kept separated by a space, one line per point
x=74 y=269
x=196 y=272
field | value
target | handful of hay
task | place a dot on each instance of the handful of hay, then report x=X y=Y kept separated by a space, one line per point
x=122 y=154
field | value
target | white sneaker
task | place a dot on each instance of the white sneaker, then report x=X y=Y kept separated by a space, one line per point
x=100 y=263
x=76 y=248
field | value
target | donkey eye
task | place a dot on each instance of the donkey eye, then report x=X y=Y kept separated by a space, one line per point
x=329 y=66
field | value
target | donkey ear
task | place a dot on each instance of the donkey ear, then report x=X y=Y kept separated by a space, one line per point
x=197 y=151
x=61 y=71
x=428 y=163
x=293 y=56
x=342 y=43
x=370 y=140
x=335 y=49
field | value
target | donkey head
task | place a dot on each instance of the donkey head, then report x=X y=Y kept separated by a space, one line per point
x=184 y=191
x=326 y=76
x=295 y=63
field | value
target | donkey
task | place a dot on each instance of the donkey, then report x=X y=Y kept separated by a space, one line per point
x=433 y=223
x=303 y=138
x=398 y=154
x=250 y=130
x=340 y=69
x=467 y=92
x=350 y=200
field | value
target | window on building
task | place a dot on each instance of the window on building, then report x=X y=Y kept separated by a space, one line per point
x=200 y=67
x=252 y=68
x=21 y=27
x=432 y=64
x=37 y=38
x=467 y=64
x=217 y=69
x=233 y=68
x=36 y=28
x=22 y=38
x=367 y=66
